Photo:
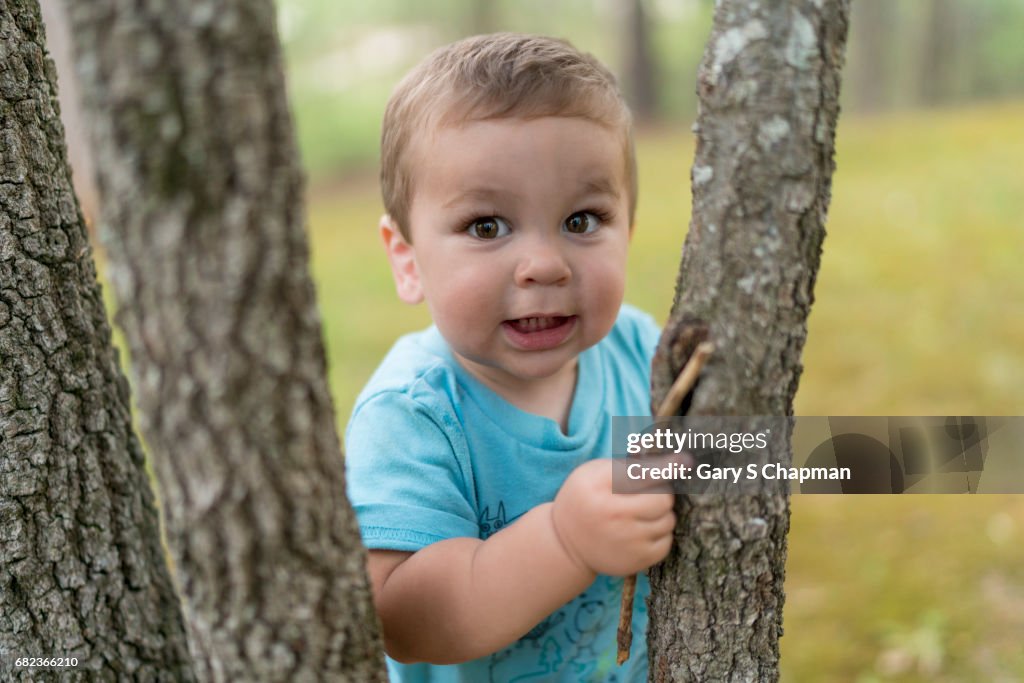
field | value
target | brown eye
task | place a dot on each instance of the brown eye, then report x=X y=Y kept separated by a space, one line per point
x=488 y=228
x=581 y=222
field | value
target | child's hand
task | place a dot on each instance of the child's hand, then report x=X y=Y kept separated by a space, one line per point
x=613 y=533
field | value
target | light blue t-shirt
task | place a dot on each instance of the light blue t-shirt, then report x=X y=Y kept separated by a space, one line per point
x=433 y=454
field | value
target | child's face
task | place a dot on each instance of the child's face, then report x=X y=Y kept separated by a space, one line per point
x=519 y=232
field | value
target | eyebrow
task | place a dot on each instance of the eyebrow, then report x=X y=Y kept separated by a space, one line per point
x=599 y=185
x=483 y=194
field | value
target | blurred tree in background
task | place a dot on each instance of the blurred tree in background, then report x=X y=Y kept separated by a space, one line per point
x=344 y=58
x=640 y=75
x=920 y=305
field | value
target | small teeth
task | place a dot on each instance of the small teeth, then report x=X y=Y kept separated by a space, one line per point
x=536 y=324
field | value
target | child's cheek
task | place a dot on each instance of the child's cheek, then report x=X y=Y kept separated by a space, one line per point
x=605 y=295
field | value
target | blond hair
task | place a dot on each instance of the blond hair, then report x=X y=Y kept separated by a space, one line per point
x=500 y=75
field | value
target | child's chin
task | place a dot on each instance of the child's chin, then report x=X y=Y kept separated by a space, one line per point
x=544 y=370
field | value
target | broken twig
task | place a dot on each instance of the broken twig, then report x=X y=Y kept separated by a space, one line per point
x=669 y=406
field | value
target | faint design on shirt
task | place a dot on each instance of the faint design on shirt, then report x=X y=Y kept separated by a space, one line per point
x=507 y=666
x=491 y=524
x=591 y=619
x=562 y=645
x=538 y=631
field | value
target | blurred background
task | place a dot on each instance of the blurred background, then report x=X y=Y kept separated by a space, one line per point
x=920 y=296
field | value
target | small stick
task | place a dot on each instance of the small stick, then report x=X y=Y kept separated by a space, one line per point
x=685 y=381
x=669 y=405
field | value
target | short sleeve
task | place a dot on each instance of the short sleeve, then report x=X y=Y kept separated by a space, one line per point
x=405 y=476
x=647 y=334
x=639 y=334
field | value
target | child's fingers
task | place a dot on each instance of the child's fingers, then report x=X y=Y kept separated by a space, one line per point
x=662 y=526
x=651 y=508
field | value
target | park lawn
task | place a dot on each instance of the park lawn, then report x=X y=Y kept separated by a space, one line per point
x=905 y=588
x=920 y=310
x=919 y=302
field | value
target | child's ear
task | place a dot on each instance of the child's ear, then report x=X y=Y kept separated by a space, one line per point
x=402 y=258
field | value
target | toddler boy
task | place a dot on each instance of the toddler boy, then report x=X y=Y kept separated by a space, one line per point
x=476 y=452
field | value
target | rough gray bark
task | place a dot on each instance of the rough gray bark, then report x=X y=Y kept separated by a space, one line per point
x=203 y=203
x=83 y=174
x=82 y=572
x=768 y=88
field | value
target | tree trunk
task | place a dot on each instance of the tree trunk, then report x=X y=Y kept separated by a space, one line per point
x=871 y=62
x=82 y=572
x=641 y=69
x=768 y=88
x=83 y=173
x=483 y=17
x=939 y=53
x=203 y=202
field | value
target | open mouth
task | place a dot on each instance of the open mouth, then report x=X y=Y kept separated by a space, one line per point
x=537 y=333
x=527 y=325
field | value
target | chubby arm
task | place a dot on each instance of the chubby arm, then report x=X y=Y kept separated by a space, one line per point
x=464 y=598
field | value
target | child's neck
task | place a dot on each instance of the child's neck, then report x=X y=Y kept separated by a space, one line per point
x=549 y=397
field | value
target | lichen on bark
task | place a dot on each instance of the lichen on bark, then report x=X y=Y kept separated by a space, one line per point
x=768 y=91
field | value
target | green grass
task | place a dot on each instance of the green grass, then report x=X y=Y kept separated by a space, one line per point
x=914 y=588
x=919 y=306
x=919 y=310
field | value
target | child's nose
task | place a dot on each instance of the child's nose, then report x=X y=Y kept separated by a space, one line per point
x=542 y=262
